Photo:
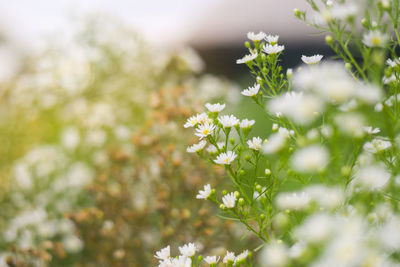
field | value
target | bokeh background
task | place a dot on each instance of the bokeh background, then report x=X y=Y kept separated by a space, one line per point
x=93 y=97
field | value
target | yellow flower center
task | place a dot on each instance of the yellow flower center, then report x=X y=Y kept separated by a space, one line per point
x=376 y=40
x=226 y=160
x=205 y=132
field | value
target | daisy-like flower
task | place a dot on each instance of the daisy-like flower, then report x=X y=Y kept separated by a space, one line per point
x=182 y=261
x=204 y=130
x=215 y=107
x=255 y=143
x=163 y=254
x=310 y=159
x=196 y=119
x=247 y=58
x=228 y=121
x=213 y=149
x=370 y=130
x=375 y=39
x=311 y=60
x=272 y=39
x=273 y=49
x=256 y=36
x=229 y=200
x=393 y=63
x=203 y=118
x=251 y=91
x=229 y=257
x=196 y=147
x=225 y=158
x=246 y=123
x=191 y=122
x=188 y=250
x=211 y=259
x=377 y=145
x=242 y=256
x=204 y=194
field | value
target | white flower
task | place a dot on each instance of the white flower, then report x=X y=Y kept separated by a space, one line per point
x=191 y=122
x=272 y=39
x=229 y=200
x=256 y=36
x=393 y=63
x=274 y=255
x=251 y=91
x=326 y=197
x=273 y=49
x=301 y=108
x=316 y=229
x=255 y=143
x=163 y=254
x=246 y=123
x=213 y=149
x=293 y=201
x=372 y=177
x=370 y=130
x=215 y=107
x=229 y=257
x=351 y=124
x=72 y=244
x=211 y=259
x=242 y=256
x=377 y=145
x=226 y=158
x=312 y=59
x=375 y=39
x=228 y=121
x=196 y=147
x=201 y=118
x=182 y=261
x=276 y=141
x=310 y=159
x=329 y=81
x=188 y=250
x=247 y=58
x=204 y=130
x=204 y=194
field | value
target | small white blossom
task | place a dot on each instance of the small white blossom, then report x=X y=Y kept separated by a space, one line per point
x=372 y=177
x=310 y=159
x=204 y=130
x=229 y=257
x=211 y=259
x=256 y=36
x=375 y=39
x=276 y=142
x=182 y=261
x=215 y=107
x=370 y=130
x=351 y=124
x=312 y=59
x=204 y=194
x=272 y=39
x=247 y=58
x=196 y=147
x=228 y=121
x=274 y=255
x=163 y=254
x=293 y=201
x=229 y=200
x=255 y=143
x=251 y=91
x=377 y=145
x=188 y=250
x=242 y=256
x=191 y=122
x=226 y=158
x=246 y=123
x=273 y=49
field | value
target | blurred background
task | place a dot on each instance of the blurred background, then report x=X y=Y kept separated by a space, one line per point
x=93 y=95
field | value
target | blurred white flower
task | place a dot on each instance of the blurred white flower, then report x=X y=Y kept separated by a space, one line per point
x=375 y=38
x=312 y=59
x=255 y=143
x=204 y=194
x=188 y=250
x=229 y=200
x=273 y=49
x=196 y=147
x=252 y=90
x=310 y=159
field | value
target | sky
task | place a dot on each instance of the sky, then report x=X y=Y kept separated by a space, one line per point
x=170 y=21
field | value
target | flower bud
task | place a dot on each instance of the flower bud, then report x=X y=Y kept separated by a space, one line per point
x=247 y=44
x=224 y=192
x=329 y=39
x=267 y=172
x=236 y=194
x=241 y=201
x=262 y=216
x=296 y=12
x=258 y=188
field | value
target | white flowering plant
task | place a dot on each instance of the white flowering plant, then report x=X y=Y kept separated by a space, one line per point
x=322 y=188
